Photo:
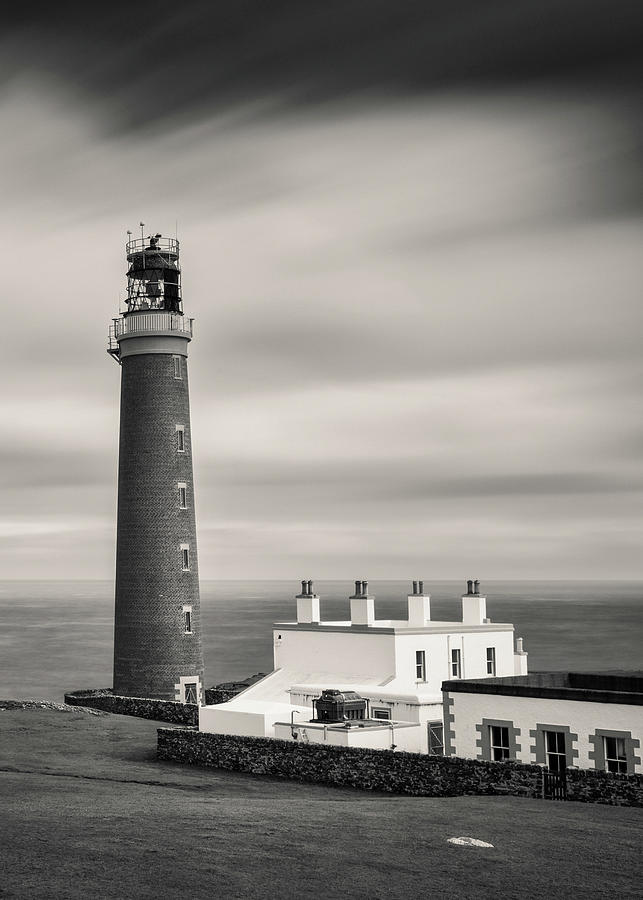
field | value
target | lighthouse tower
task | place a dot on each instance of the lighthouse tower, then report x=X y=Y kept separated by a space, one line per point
x=157 y=634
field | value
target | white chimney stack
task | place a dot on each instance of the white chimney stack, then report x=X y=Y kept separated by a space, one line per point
x=474 y=606
x=307 y=604
x=362 y=606
x=520 y=658
x=419 y=605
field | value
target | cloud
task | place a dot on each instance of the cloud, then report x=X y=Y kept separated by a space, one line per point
x=417 y=313
x=175 y=64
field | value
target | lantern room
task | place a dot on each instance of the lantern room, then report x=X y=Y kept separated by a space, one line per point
x=153 y=276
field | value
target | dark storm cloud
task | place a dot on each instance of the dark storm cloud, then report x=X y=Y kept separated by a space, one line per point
x=148 y=62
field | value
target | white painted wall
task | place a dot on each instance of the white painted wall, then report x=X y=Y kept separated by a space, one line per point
x=344 y=652
x=405 y=737
x=583 y=718
x=473 y=649
x=252 y=719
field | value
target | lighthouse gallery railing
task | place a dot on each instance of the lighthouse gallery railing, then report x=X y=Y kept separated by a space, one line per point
x=141 y=323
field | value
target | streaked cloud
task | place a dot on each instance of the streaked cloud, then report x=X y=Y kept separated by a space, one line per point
x=417 y=293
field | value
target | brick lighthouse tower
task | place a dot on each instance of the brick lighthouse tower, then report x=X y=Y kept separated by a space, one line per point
x=157 y=634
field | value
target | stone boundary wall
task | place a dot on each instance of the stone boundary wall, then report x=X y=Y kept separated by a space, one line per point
x=592 y=786
x=373 y=770
x=144 y=708
x=384 y=770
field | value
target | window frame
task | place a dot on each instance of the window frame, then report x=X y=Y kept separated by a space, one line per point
x=178 y=367
x=431 y=745
x=456 y=662
x=619 y=759
x=559 y=755
x=420 y=665
x=183 y=495
x=499 y=743
x=185 y=557
x=381 y=714
x=491 y=661
x=180 y=438
x=599 y=749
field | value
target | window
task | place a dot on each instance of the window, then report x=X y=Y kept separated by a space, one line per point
x=456 y=663
x=177 y=366
x=191 y=694
x=185 y=557
x=555 y=755
x=183 y=496
x=180 y=438
x=615 y=753
x=187 y=615
x=420 y=665
x=499 y=742
x=491 y=660
x=436 y=738
x=381 y=713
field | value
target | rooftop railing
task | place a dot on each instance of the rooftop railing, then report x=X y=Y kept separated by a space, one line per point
x=141 y=323
x=164 y=245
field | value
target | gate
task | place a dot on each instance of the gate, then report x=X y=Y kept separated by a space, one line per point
x=554 y=785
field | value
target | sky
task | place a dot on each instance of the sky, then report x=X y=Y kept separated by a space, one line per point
x=411 y=241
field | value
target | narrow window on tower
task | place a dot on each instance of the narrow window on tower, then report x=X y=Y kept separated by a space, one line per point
x=180 y=438
x=187 y=619
x=491 y=660
x=183 y=499
x=176 y=360
x=185 y=557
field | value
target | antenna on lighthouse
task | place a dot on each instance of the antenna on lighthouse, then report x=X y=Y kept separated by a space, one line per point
x=142 y=224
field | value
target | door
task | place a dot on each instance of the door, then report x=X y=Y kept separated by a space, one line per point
x=191 y=695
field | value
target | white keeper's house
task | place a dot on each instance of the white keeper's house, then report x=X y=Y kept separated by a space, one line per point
x=368 y=682
x=590 y=720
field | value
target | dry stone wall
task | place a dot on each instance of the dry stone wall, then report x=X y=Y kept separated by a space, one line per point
x=384 y=770
x=161 y=710
x=374 y=770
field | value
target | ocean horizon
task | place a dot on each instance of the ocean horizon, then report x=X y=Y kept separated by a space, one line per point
x=57 y=636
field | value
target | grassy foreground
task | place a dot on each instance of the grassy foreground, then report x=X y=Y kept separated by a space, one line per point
x=87 y=811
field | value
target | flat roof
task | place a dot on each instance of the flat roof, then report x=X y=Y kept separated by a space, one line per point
x=393 y=626
x=613 y=686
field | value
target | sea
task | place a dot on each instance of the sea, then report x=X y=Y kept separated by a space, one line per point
x=56 y=636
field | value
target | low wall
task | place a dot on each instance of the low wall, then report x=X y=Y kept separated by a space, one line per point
x=219 y=695
x=373 y=770
x=590 y=786
x=384 y=770
x=144 y=708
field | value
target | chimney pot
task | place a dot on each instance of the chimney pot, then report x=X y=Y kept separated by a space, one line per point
x=470 y=587
x=476 y=587
x=358 y=588
x=420 y=587
x=310 y=588
x=415 y=587
x=365 y=587
x=303 y=588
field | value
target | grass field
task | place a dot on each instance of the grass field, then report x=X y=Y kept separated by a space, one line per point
x=87 y=811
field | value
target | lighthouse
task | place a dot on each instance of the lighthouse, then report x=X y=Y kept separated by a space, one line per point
x=157 y=631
